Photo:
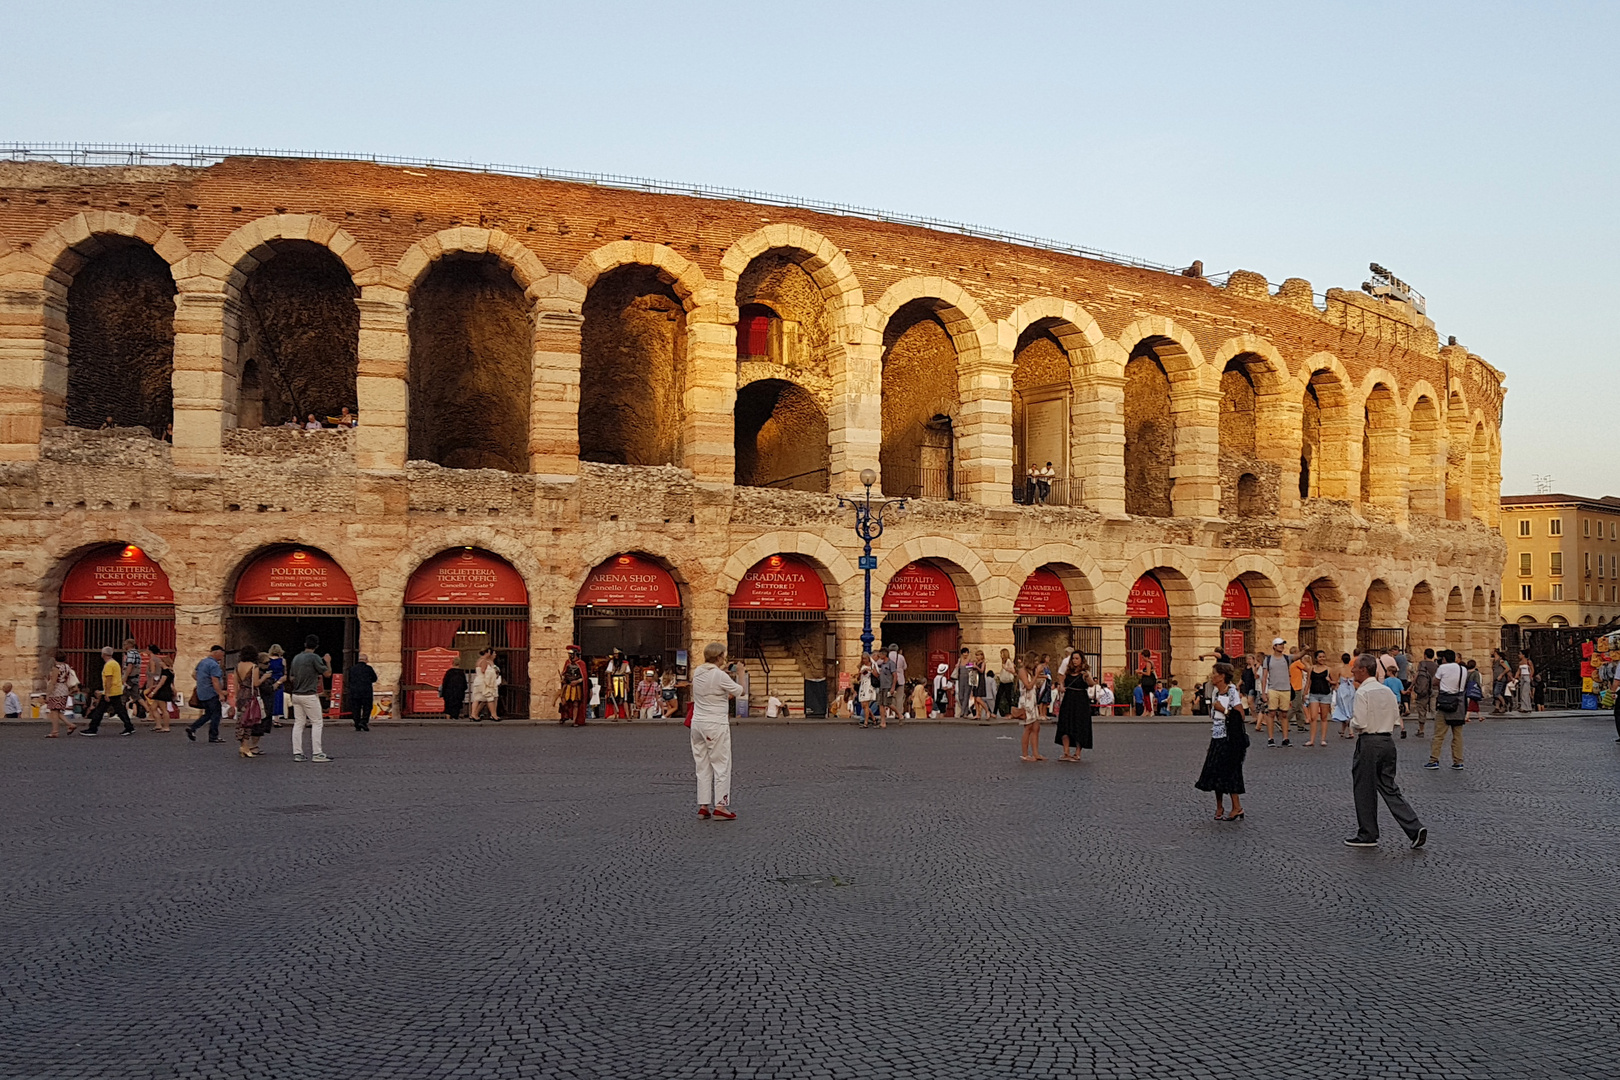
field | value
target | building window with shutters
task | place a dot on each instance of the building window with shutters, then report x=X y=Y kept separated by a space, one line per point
x=1586 y=557
x=1557 y=592
x=1586 y=528
x=1524 y=526
x=1555 y=564
x=1524 y=564
x=1555 y=527
x=1525 y=593
x=1589 y=592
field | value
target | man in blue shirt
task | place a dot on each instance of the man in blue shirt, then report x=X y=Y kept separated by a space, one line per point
x=210 y=692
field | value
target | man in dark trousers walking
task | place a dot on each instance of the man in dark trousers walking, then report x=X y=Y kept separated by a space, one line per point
x=358 y=682
x=1376 y=715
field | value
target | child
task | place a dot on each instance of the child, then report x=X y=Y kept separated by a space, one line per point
x=1161 y=701
x=13 y=704
x=595 y=710
x=919 y=701
x=1397 y=688
x=1175 y=698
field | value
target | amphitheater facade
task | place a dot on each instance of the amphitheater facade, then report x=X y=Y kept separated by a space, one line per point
x=625 y=416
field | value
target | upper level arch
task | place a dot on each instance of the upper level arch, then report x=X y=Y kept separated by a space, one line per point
x=685 y=277
x=820 y=258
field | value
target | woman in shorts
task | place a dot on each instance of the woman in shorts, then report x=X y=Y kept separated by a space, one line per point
x=1318 y=699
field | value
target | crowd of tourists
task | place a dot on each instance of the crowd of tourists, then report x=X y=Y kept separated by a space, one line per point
x=264 y=691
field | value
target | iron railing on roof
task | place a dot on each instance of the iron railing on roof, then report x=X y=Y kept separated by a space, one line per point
x=115 y=154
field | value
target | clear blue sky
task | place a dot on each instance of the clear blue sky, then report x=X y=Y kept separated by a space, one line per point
x=1469 y=147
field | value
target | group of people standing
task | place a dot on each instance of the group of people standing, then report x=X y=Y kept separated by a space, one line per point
x=1373 y=715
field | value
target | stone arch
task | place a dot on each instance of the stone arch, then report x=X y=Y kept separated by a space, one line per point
x=251 y=245
x=1080 y=573
x=818 y=256
x=1456 y=618
x=1328 y=430
x=394 y=575
x=1258 y=434
x=1458 y=472
x=1379 y=612
x=471 y=369
x=1383 y=455
x=931 y=332
x=1171 y=407
x=635 y=363
x=418 y=260
x=1186 y=588
x=838 y=574
x=1479 y=469
x=975 y=585
x=781 y=437
x=1423 y=619
x=683 y=276
x=1426 y=460
x=1095 y=383
x=110 y=280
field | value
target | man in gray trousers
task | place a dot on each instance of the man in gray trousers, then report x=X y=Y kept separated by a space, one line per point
x=1376 y=715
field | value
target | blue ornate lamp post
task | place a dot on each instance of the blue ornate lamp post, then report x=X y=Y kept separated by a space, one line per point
x=869 y=526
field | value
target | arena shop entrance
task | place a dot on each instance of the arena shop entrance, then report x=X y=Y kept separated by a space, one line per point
x=778 y=629
x=287 y=593
x=112 y=594
x=1148 y=626
x=1237 y=621
x=632 y=604
x=457 y=604
x=920 y=616
x=1044 y=622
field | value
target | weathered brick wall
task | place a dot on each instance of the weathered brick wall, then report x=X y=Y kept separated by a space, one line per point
x=781 y=437
x=919 y=383
x=1149 y=447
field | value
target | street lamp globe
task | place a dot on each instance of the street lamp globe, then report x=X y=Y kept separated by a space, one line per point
x=868 y=477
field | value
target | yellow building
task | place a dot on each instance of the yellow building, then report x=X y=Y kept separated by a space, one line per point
x=1563 y=560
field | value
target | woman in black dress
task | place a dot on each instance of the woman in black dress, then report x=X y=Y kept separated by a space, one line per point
x=1074 y=713
x=1228 y=743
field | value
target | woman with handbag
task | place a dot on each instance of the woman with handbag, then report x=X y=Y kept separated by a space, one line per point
x=1228 y=745
x=1450 y=708
x=249 y=705
x=59 y=689
x=866 y=691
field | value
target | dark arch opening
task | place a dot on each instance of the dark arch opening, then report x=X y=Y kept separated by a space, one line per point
x=1148 y=434
x=781 y=436
x=472 y=358
x=300 y=337
x=1251 y=503
x=120 y=312
x=918 y=454
x=632 y=370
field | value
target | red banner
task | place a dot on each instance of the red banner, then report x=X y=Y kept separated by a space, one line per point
x=1236 y=603
x=334 y=703
x=1235 y=643
x=122 y=574
x=1307 y=606
x=429 y=668
x=1147 y=600
x=467 y=576
x=781 y=583
x=1042 y=594
x=920 y=586
x=295 y=576
x=629 y=581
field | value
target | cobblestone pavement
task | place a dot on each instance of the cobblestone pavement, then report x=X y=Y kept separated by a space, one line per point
x=538 y=902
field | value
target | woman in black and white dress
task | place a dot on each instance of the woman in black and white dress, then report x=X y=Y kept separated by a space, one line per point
x=1228 y=745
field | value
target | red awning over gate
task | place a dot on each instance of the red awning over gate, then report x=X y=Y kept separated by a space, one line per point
x=1307 y=606
x=1236 y=603
x=119 y=574
x=920 y=586
x=295 y=576
x=467 y=576
x=1042 y=594
x=629 y=581
x=781 y=583
x=1147 y=600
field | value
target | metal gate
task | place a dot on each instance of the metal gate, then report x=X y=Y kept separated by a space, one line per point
x=504 y=629
x=86 y=628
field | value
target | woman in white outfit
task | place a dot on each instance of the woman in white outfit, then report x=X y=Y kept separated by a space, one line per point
x=486 y=687
x=712 y=691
